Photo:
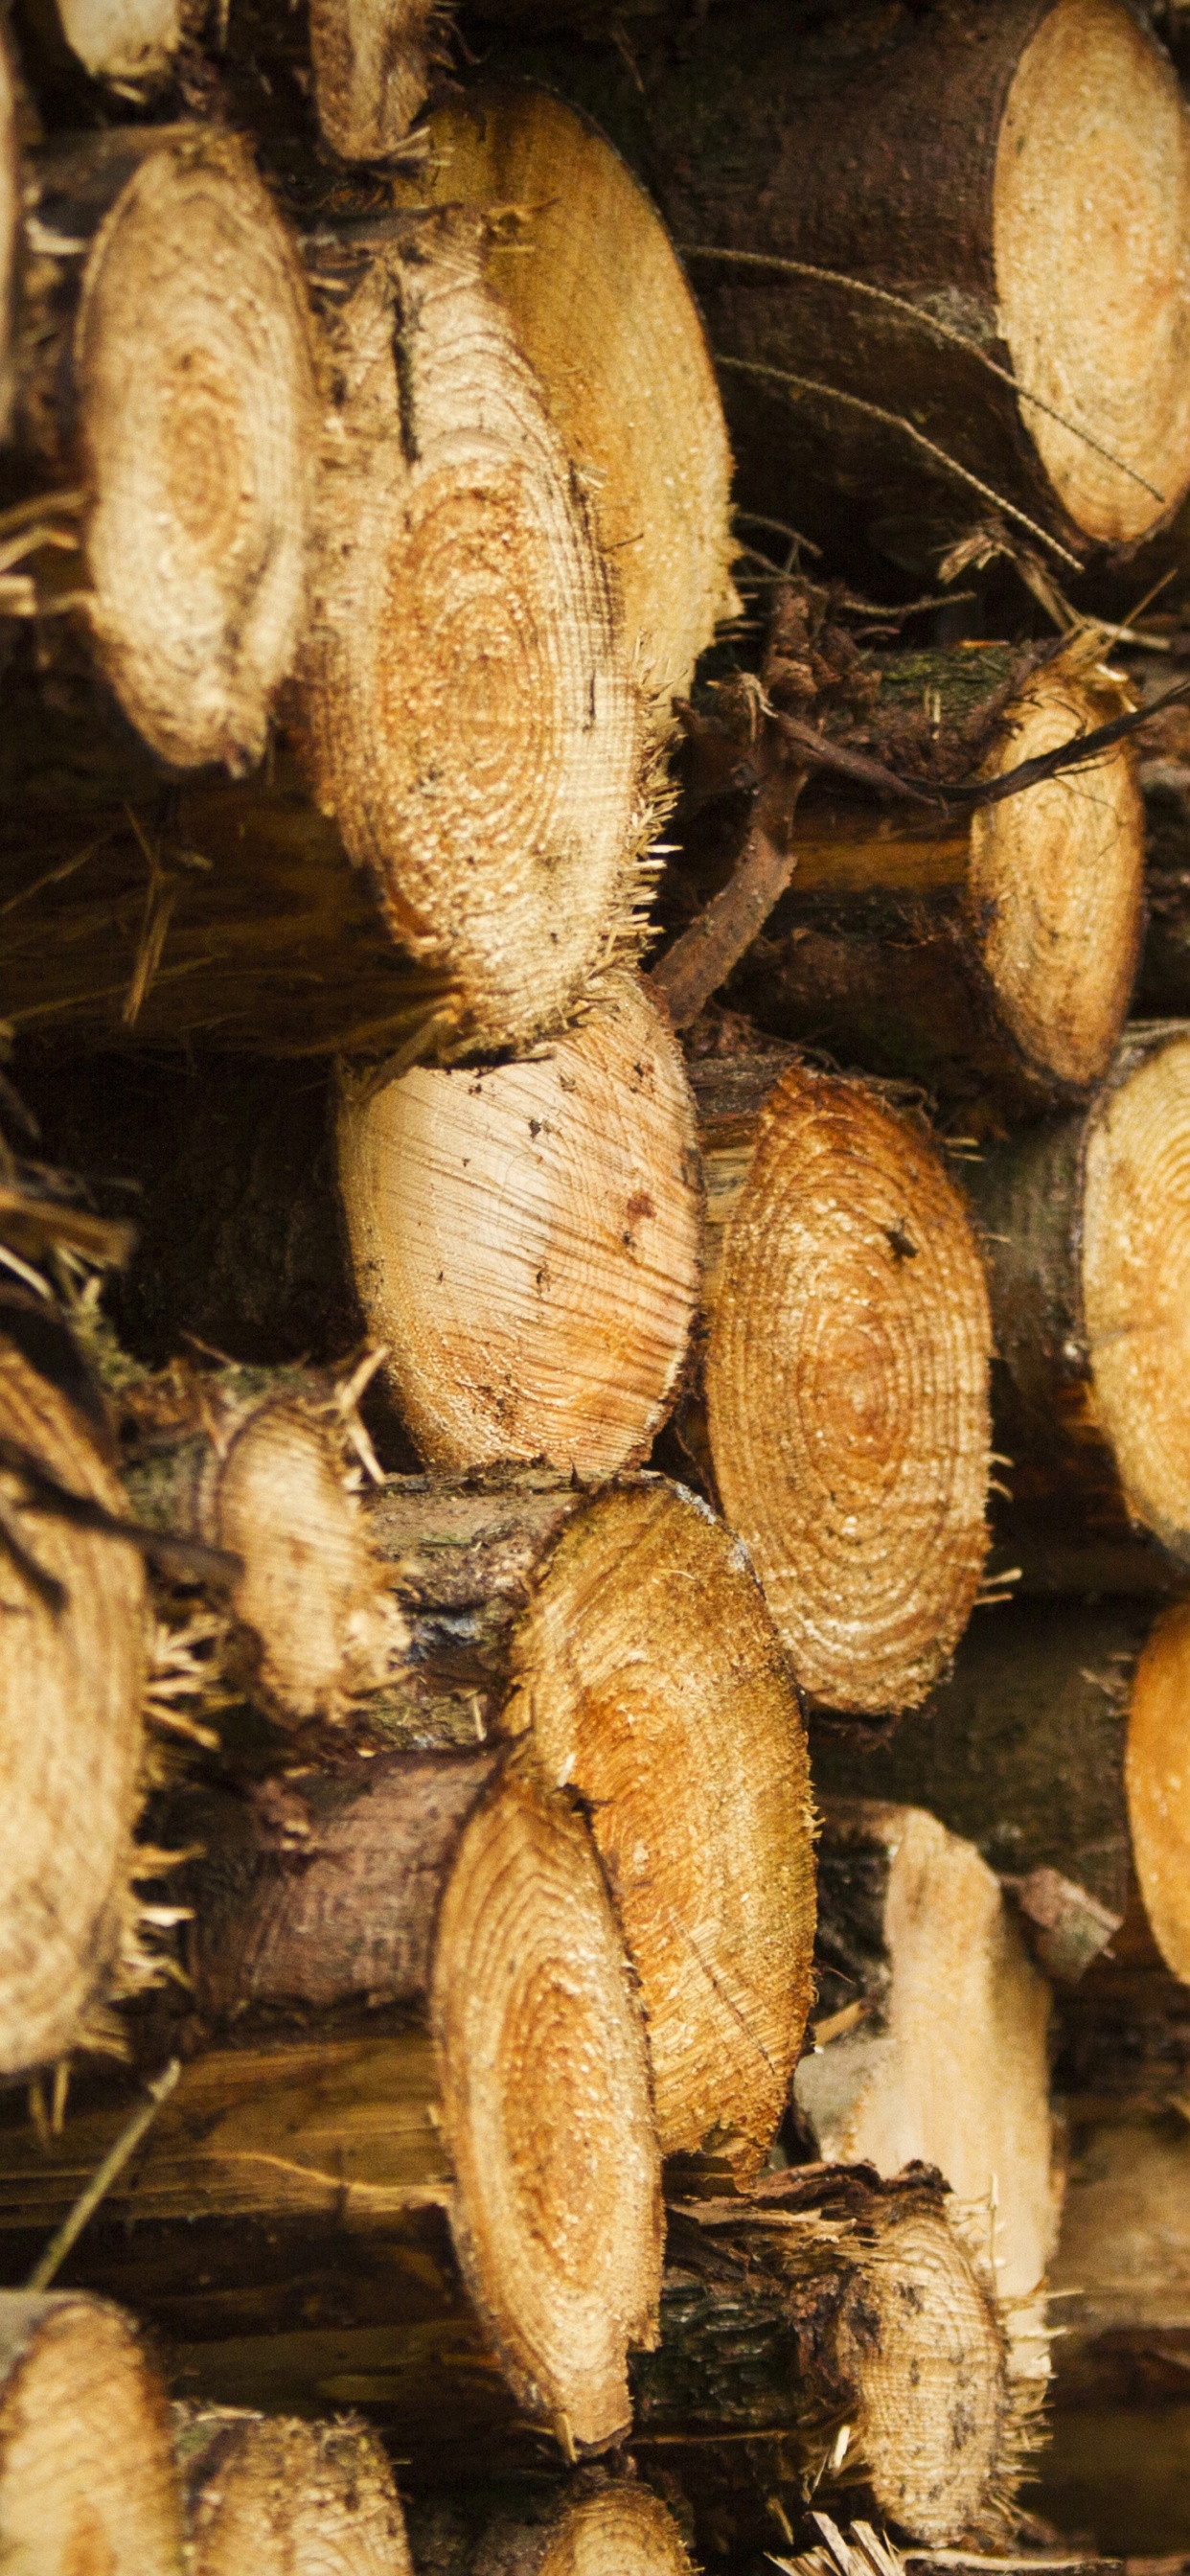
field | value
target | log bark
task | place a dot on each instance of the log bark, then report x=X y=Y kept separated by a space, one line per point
x=1048 y=1747
x=479 y=2077
x=989 y=956
x=166 y=377
x=603 y=311
x=621 y=1638
x=845 y=1374
x=467 y=704
x=931 y=156
x=609 y=2527
x=525 y=1241
x=830 y=2300
x=87 y=2476
x=931 y=2040
x=278 y=2494
x=73 y=1710
x=1082 y=1221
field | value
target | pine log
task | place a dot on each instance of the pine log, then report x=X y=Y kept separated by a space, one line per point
x=477 y=2095
x=625 y=1640
x=287 y=2497
x=525 y=1241
x=265 y=1466
x=1083 y=1221
x=1018 y=181
x=166 y=378
x=991 y=956
x=129 y=45
x=836 y=2333
x=87 y=2477
x=1049 y=1747
x=846 y=1374
x=931 y=2040
x=76 y=1678
x=468 y=710
x=587 y=274
x=596 y=2526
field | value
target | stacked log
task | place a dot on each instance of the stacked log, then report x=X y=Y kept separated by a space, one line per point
x=510 y=1570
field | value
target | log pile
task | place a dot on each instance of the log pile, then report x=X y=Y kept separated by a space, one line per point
x=594 y=1308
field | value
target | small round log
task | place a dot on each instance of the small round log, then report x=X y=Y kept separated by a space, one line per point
x=846 y=1374
x=1157 y=1772
x=467 y=704
x=992 y=956
x=87 y=2475
x=129 y=45
x=1086 y=1223
x=72 y=1714
x=371 y=61
x=603 y=2527
x=525 y=1241
x=931 y=2040
x=169 y=374
x=831 y=2300
x=587 y=273
x=285 y=2497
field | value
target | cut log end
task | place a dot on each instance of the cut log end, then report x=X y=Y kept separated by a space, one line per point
x=919 y=2335
x=1158 y=1781
x=607 y=319
x=199 y=431
x=87 y=2476
x=619 y=2530
x=371 y=63
x=847 y=1393
x=74 y=1611
x=287 y=2498
x=546 y=2114
x=1092 y=197
x=318 y=1624
x=715 y=1887
x=1135 y=1267
x=526 y=1242
x=127 y=43
x=1055 y=890
x=469 y=711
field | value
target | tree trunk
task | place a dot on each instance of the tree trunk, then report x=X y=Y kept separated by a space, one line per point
x=73 y=1711
x=264 y=1465
x=525 y=1241
x=166 y=378
x=935 y=156
x=622 y=1637
x=468 y=709
x=1085 y=1225
x=931 y=2040
x=277 y=2494
x=599 y=2525
x=991 y=957
x=459 y=1918
x=86 y=2468
x=846 y=1374
x=1048 y=1748
x=829 y=2304
x=603 y=311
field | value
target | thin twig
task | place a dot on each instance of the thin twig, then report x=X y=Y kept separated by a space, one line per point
x=896 y=420
x=158 y=2090
x=928 y=322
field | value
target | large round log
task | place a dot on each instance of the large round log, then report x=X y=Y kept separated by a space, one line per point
x=288 y=2498
x=588 y=276
x=525 y=1241
x=86 y=2467
x=1085 y=1224
x=988 y=195
x=990 y=956
x=468 y=708
x=167 y=375
x=846 y=1374
x=931 y=2039
x=73 y=1696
